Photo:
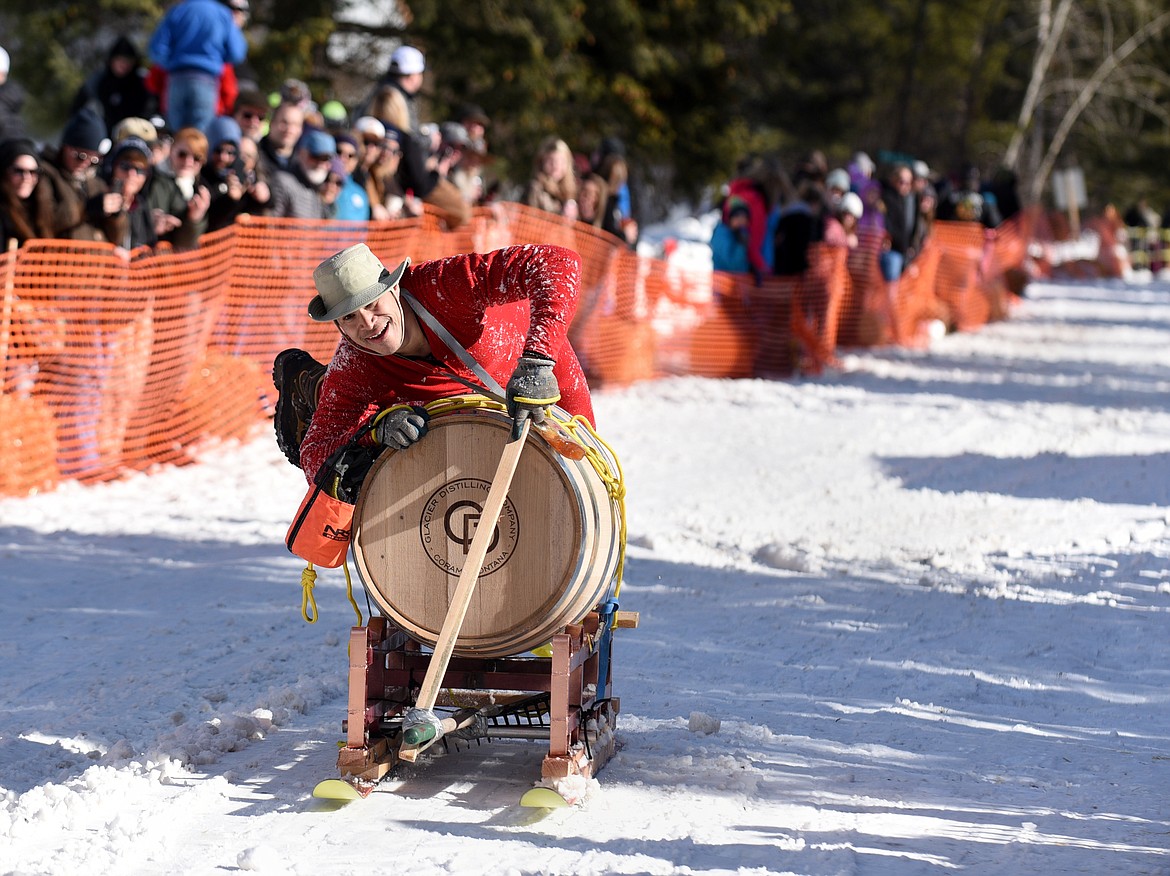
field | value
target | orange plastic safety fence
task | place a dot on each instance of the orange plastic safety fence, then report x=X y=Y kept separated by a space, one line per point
x=111 y=363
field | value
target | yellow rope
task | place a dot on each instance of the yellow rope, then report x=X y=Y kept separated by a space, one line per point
x=308 y=601
x=612 y=478
x=382 y=413
x=459 y=402
x=349 y=592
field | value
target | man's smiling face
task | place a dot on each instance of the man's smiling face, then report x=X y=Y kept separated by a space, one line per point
x=379 y=327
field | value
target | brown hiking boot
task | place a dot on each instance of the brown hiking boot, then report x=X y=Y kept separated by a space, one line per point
x=297 y=377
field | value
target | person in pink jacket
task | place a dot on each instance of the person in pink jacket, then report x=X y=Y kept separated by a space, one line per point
x=510 y=309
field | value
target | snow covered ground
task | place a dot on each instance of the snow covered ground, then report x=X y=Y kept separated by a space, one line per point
x=911 y=617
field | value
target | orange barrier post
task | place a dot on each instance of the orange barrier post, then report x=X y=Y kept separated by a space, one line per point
x=771 y=308
x=864 y=320
x=28 y=434
x=960 y=255
x=816 y=307
x=916 y=303
x=722 y=342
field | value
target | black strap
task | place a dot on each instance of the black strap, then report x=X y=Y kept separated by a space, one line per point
x=490 y=385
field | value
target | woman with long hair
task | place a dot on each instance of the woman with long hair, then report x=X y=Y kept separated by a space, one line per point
x=29 y=206
x=553 y=187
x=417 y=171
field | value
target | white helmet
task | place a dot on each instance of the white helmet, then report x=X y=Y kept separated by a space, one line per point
x=407 y=60
x=838 y=179
x=851 y=204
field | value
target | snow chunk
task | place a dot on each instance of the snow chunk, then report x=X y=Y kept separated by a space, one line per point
x=788 y=558
x=699 y=722
x=261 y=859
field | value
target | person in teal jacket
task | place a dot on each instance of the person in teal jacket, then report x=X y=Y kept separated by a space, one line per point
x=344 y=198
x=729 y=240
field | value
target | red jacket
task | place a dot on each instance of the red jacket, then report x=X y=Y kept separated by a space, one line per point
x=458 y=291
x=229 y=89
x=749 y=192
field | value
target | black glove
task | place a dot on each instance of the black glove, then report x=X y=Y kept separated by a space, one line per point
x=533 y=388
x=401 y=427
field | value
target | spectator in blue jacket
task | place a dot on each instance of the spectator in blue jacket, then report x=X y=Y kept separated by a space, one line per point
x=193 y=42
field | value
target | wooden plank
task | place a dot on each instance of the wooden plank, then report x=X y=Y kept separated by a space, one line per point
x=355 y=734
x=559 y=697
x=445 y=646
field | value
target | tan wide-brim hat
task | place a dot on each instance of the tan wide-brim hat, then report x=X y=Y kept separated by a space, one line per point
x=349 y=280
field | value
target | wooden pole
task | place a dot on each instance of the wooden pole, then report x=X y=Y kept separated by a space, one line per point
x=468 y=578
x=6 y=315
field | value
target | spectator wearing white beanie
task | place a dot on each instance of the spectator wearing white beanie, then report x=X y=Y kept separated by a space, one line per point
x=405 y=76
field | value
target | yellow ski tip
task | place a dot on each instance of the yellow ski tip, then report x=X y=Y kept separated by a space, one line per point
x=543 y=798
x=336 y=789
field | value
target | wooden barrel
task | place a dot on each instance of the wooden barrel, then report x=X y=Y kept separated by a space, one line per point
x=552 y=558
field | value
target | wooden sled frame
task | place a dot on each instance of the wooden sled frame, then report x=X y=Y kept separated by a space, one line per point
x=386 y=668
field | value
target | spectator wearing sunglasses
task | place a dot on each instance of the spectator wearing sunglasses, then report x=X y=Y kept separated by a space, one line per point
x=251 y=114
x=349 y=151
x=28 y=209
x=154 y=133
x=381 y=183
x=188 y=155
x=369 y=134
x=124 y=213
x=177 y=202
x=83 y=143
x=330 y=190
x=250 y=163
x=72 y=169
x=352 y=203
x=393 y=201
x=296 y=191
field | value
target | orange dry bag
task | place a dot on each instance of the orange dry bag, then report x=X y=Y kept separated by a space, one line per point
x=320 y=531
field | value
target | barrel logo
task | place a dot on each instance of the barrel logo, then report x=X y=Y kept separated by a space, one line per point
x=450 y=519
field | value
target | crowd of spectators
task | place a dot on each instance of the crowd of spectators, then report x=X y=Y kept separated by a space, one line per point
x=163 y=148
x=770 y=215
x=167 y=150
